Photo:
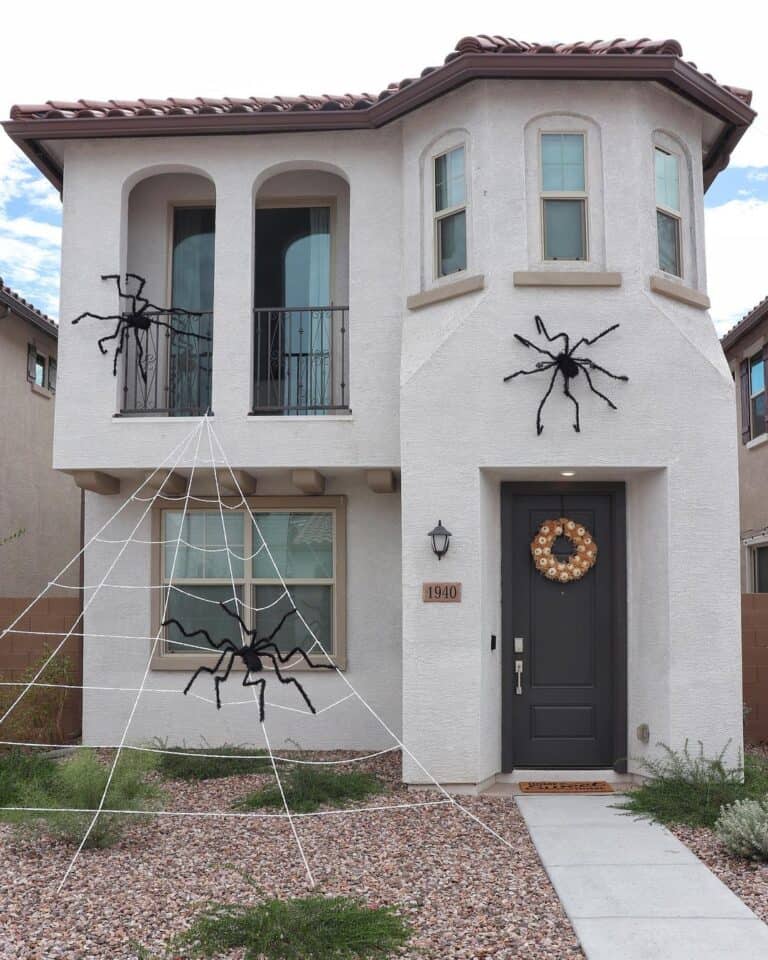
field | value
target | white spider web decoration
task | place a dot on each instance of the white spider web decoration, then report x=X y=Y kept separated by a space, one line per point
x=217 y=461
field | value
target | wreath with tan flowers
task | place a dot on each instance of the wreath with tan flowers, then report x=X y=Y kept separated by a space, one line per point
x=580 y=561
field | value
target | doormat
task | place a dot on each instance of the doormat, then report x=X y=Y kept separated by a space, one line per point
x=565 y=786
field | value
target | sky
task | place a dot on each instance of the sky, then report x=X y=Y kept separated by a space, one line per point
x=226 y=48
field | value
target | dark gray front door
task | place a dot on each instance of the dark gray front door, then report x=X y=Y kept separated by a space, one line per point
x=571 y=709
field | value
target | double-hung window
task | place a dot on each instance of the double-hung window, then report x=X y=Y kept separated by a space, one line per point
x=667 y=167
x=450 y=214
x=563 y=196
x=229 y=563
x=757 y=411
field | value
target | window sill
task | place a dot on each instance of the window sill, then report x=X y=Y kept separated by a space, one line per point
x=676 y=290
x=446 y=291
x=301 y=417
x=182 y=662
x=756 y=441
x=566 y=278
x=41 y=391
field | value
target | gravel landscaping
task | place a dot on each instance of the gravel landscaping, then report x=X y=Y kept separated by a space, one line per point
x=465 y=894
x=747 y=879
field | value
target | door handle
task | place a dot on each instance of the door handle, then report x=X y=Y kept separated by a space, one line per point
x=519 y=677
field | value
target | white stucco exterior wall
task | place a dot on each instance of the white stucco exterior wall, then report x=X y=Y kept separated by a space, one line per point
x=427 y=395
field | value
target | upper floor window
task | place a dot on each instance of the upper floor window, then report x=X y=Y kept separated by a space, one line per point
x=563 y=196
x=667 y=168
x=450 y=212
x=41 y=370
x=757 y=395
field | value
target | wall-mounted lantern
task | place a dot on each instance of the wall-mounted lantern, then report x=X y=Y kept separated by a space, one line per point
x=441 y=540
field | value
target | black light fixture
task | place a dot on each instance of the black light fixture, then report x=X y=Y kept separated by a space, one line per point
x=441 y=540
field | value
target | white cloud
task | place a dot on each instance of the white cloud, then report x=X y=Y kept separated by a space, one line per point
x=736 y=243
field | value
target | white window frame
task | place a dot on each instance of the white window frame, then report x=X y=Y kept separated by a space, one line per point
x=164 y=659
x=544 y=195
x=676 y=215
x=438 y=215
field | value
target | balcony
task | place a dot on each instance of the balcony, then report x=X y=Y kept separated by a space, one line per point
x=167 y=372
x=300 y=361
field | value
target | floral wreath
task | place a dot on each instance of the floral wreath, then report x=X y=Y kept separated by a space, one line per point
x=580 y=561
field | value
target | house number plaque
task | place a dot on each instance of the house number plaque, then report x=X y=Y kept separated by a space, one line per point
x=441 y=592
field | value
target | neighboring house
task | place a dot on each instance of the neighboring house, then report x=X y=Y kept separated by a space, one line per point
x=746 y=349
x=40 y=509
x=363 y=264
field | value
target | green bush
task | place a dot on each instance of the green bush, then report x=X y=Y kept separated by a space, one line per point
x=18 y=769
x=307 y=788
x=185 y=763
x=743 y=828
x=78 y=783
x=39 y=716
x=308 y=928
x=691 y=788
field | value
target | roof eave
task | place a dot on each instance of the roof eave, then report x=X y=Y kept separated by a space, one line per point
x=25 y=312
x=669 y=70
x=745 y=326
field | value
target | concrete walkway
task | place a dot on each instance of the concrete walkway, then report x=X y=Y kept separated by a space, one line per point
x=632 y=890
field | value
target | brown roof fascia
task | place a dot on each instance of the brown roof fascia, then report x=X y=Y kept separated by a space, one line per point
x=745 y=326
x=662 y=68
x=27 y=312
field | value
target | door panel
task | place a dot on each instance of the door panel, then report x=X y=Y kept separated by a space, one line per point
x=565 y=713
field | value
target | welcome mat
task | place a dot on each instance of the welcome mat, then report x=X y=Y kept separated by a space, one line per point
x=565 y=786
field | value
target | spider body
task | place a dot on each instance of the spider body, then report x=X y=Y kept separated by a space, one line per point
x=138 y=317
x=252 y=655
x=568 y=365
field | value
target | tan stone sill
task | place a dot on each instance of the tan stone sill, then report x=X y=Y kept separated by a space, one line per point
x=566 y=278
x=679 y=291
x=757 y=441
x=447 y=291
x=41 y=391
x=182 y=662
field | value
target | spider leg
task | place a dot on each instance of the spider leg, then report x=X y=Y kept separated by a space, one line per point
x=225 y=644
x=537 y=369
x=287 y=657
x=212 y=670
x=277 y=628
x=97 y=316
x=527 y=343
x=140 y=355
x=594 y=389
x=567 y=392
x=540 y=328
x=292 y=680
x=583 y=363
x=142 y=283
x=185 y=333
x=219 y=680
x=123 y=340
x=261 y=682
x=590 y=340
x=539 y=425
x=112 y=336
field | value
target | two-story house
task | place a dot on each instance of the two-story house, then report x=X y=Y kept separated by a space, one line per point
x=361 y=265
x=746 y=349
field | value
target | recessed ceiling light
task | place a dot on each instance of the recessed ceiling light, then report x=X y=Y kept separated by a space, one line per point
x=567 y=473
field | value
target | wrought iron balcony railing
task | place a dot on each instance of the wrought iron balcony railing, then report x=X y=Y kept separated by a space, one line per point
x=178 y=365
x=301 y=361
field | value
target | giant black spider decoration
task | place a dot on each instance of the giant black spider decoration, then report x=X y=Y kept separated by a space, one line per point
x=139 y=317
x=568 y=365
x=252 y=655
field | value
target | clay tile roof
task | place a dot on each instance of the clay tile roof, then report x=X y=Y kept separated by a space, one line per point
x=747 y=323
x=25 y=309
x=484 y=55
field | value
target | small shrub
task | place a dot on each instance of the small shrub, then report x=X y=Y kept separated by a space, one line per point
x=308 y=928
x=691 y=788
x=18 y=769
x=185 y=763
x=307 y=788
x=743 y=828
x=39 y=716
x=78 y=783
